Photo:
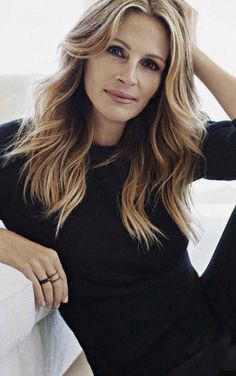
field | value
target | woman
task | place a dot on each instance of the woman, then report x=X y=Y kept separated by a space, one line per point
x=102 y=206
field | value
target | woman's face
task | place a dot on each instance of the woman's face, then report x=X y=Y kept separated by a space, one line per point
x=126 y=66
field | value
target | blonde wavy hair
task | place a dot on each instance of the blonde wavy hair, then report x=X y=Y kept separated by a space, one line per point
x=57 y=136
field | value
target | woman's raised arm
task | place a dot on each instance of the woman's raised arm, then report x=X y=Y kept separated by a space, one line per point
x=220 y=83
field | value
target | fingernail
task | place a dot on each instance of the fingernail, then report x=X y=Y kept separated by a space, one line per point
x=58 y=306
x=65 y=300
x=43 y=304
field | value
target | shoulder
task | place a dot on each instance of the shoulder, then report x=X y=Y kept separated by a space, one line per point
x=219 y=151
x=8 y=131
x=219 y=133
x=222 y=126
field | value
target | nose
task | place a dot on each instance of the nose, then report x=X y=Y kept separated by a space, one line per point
x=128 y=74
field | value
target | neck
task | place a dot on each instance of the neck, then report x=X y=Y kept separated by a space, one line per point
x=107 y=135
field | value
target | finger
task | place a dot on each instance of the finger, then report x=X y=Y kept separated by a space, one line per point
x=46 y=287
x=183 y=4
x=38 y=292
x=60 y=270
x=57 y=286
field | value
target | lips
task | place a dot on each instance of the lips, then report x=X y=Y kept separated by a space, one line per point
x=121 y=94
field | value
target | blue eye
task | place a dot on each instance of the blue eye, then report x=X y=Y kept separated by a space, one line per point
x=112 y=50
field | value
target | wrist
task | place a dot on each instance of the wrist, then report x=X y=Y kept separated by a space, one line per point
x=198 y=56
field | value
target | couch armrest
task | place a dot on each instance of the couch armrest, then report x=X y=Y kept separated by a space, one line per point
x=18 y=310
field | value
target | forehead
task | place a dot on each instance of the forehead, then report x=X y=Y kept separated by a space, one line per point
x=144 y=33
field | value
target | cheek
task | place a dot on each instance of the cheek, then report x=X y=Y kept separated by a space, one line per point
x=151 y=89
x=95 y=77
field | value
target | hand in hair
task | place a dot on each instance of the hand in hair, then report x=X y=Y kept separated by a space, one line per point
x=36 y=262
x=191 y=18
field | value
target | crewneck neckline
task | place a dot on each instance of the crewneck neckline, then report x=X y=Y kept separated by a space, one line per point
x=104 y=149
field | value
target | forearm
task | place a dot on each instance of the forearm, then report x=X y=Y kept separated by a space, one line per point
x=221 y=84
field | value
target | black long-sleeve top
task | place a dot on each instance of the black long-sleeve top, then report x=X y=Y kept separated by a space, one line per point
x=124 y=303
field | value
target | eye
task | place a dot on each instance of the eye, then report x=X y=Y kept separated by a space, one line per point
x=114 y=49
x=156 y=67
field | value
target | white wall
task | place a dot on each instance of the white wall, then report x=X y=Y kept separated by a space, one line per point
x=30 y=31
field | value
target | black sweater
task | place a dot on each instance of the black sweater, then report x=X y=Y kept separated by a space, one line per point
x=124 y=302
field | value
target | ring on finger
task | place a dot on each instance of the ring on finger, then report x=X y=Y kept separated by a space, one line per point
x=50 y=276
x=54 y=279
x=48 y=279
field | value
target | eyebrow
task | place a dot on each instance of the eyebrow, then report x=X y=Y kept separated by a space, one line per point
x=148 y=55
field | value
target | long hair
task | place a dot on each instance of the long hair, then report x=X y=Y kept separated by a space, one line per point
x=163 y=141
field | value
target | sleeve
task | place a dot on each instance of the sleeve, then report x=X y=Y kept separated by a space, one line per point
x=8 y=173
x=219 y=149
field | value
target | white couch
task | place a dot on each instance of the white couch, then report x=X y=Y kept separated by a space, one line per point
x=36 y=341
